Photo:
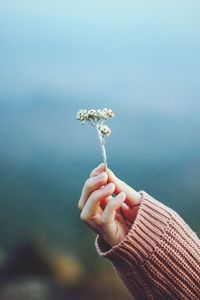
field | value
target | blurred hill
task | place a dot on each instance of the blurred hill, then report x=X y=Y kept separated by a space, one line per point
x=46 y=155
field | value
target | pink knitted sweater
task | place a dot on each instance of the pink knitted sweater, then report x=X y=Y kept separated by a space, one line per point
x=160 y=256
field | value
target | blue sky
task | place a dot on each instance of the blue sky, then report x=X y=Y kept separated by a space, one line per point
x=142 y=53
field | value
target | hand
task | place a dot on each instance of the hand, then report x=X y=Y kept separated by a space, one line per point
x=109 y=215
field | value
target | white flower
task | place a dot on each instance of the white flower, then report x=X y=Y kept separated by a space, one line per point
x=94 y=114
x=107 y=113
x=81 y=115
x=91 y=113
x=110 y=113
x=97 y=117
x=105 y=130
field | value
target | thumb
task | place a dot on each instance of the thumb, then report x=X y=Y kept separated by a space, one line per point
x=132 y=197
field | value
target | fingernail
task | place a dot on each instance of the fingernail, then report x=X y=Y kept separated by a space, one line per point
x=100 y=176
x=107 y=187
x=99 y=166
x=121 y=195
x=97 y=169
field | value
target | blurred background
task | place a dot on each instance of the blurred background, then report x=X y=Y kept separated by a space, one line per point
x=140 y=58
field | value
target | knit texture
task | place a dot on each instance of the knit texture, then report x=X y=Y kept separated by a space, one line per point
x=160 y=256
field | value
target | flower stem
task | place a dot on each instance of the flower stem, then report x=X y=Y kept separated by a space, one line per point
x=103 y=149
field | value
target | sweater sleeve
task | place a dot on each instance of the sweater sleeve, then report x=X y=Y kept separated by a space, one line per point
x=160 y=256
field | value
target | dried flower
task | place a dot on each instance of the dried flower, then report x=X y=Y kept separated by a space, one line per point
x=105 y=130
x=97 y=117
x=81 y=115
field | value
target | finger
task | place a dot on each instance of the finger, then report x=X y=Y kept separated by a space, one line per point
x=109 y=213
x=118 y=215
x=90 y=209
x=129 y=213
x=91 y=185
x=132 y=196
x=105 y=201
x=97 y=170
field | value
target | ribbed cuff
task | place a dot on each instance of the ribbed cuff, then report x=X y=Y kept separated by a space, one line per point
x=143 y=237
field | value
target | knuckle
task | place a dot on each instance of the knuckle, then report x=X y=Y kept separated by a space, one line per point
x=89 y=183
x=103 y=222
x=83 y=217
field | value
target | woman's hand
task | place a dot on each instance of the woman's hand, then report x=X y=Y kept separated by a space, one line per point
x=109 y=215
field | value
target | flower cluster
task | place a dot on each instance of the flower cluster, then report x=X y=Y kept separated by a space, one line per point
x=81 y=115
x=97 y=117
x=104 y=129
x=94 y=114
